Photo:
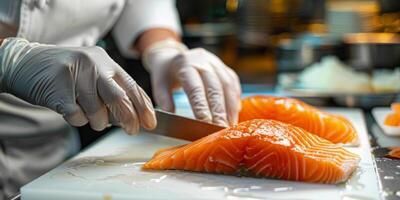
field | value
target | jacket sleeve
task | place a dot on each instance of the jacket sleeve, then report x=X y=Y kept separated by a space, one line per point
x=141 y=15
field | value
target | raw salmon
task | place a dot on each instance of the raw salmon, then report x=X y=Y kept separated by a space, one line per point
x=261 y=148
x=393 y=119
x=334 y=128
x=394 y=153
x=396 y=107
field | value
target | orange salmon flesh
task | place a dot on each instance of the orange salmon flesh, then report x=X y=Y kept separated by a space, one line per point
x=261 y=148
x=334 y=128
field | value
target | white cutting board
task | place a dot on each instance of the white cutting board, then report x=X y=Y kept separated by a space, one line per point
x=110 y=169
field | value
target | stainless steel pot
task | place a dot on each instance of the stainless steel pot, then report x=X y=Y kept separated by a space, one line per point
x=368 y=51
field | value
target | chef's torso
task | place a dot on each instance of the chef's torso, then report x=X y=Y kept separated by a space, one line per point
x=74 y=23
x=61 y=22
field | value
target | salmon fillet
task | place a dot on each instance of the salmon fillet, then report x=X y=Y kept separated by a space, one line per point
x=393 y=118
x=334 y=128
x=261 y=148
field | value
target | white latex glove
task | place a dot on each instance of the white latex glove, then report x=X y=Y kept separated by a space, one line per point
x=212 y=87
x=81 y=83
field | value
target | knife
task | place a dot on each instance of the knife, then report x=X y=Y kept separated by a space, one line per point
x=176 y=126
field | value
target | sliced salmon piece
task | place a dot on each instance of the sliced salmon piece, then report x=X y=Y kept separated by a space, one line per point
x=334 y=128
x=396 y=108
x=392 y=119
x=261 y=148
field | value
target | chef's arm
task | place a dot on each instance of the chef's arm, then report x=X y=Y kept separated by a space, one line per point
x=149 y=37
x=212 y=87
x=151 y=29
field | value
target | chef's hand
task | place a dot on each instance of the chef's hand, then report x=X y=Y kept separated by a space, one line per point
x=212 y=87
x=83 y=84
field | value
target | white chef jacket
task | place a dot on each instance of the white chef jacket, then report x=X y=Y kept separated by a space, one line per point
x=80 y=23
x=66 y=23
x=83 y=22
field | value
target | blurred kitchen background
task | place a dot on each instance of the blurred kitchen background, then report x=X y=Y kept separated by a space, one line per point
x=261 y=38
x=325 y=52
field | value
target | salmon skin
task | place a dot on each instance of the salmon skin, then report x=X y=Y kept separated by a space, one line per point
x=261 y=148
x=334 y=128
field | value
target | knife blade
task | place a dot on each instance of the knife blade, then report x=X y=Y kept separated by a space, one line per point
x=176 y=126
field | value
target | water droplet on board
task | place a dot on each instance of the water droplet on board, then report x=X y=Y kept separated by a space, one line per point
x=282 y=189
x=354 y=182
x=254 y=187
x=355 y=197
x=215 y=188
x=67 y=176
x=398 y=166
x=388 y=177
x=398 y=193
x=125 y=158
x=397 y=173
x=125 y=161
x=125 y=178
x=134 y=179
x=240 y=190
x=157 y=180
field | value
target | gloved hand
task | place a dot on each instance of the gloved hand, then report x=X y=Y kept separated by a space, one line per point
x=81 y=83
x=212 y=87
